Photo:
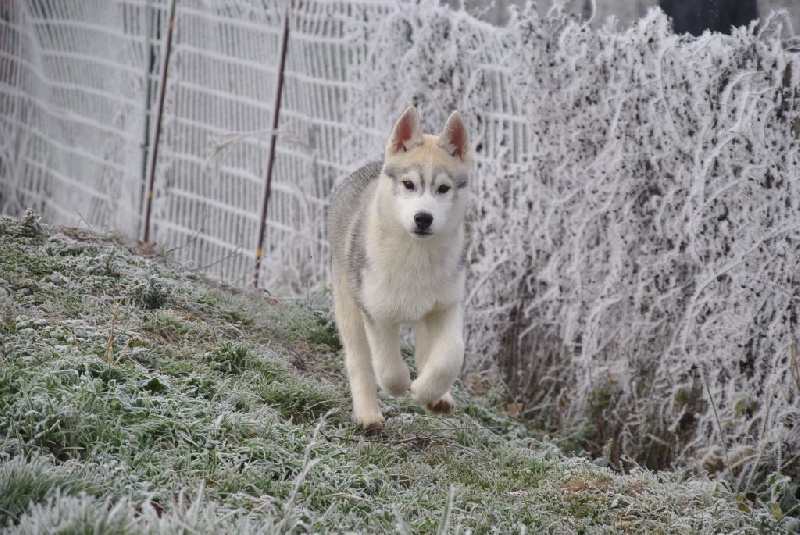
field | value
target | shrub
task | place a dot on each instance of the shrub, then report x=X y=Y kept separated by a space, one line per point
x=636 y=222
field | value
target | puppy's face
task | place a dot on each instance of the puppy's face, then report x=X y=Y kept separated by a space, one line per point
x=427 y=175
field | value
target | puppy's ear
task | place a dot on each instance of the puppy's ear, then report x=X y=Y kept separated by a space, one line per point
x=407 y=132
x=454 y=139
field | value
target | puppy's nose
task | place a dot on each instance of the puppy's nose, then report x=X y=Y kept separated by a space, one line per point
x=423 y=220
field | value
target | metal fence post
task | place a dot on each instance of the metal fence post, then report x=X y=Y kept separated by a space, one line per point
x=262 y=223
x=159 y=115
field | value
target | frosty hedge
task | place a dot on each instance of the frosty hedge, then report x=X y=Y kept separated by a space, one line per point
x=635 y=227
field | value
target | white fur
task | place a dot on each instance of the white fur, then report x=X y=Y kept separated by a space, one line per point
x=409 y=279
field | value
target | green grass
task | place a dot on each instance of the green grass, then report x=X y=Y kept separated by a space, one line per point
x=134 y=399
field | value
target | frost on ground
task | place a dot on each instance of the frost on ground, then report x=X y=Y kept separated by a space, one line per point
x=636 y=222
x=135 y=398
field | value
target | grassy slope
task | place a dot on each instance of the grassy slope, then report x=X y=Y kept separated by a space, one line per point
x=136 y=399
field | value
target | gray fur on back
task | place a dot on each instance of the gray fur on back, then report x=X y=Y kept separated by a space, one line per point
x=346 y=221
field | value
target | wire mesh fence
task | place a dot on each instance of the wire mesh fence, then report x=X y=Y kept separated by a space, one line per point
x=79 y=102
x=72 y=110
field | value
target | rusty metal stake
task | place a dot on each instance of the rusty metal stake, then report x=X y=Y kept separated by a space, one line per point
x=262 y=224
x=159 y=115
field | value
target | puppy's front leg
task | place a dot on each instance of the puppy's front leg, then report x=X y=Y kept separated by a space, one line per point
x=350 y=321
x=390 y=369
x=444 y=329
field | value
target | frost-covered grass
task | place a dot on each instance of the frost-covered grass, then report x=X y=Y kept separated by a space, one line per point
x=135 y=398
x=635 y=219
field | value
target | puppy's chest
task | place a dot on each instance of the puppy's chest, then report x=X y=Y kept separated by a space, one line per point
x=405 y=289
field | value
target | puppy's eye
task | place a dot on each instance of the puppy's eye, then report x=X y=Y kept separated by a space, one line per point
x=443 y=189
x=408 y=185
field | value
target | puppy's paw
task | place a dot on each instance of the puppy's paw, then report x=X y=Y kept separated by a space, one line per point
x=371 y=424
x=443 y=405
x=425 y=392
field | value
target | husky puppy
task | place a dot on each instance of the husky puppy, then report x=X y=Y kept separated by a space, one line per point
x=398 y=237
